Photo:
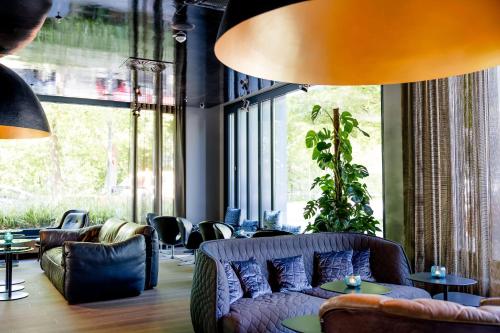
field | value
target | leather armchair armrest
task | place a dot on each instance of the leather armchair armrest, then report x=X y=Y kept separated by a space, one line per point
x=493 y=301
x=95 y=271
x=56 y=237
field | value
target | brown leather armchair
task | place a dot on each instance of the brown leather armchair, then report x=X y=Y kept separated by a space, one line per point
x=375 y=313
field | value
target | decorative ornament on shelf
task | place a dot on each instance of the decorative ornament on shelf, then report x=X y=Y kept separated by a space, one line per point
x=438 y=272
x=352 y=281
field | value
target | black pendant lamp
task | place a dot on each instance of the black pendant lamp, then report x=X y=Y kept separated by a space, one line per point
x=21 y=114
x=350 y=42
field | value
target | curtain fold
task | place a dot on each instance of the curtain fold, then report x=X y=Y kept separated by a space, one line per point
x=447 y=149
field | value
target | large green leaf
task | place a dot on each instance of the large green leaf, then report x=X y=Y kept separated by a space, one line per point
x=315 y=112
x=311 y=138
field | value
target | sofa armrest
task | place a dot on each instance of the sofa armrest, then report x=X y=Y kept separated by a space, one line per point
x=56 y=237
x=209 y=294
x=95 y=271
x=492 y=301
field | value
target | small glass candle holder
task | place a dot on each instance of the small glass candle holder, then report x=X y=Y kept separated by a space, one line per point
x=8 y=237
x=352 y=281
x=438 y=272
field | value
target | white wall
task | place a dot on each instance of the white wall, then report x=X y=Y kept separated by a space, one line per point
x=204 y=164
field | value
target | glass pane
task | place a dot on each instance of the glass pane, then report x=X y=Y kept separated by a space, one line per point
x=364 y=102
x=266 y=171
x=231 y=161
x=84 y=164
x=242 y=162
x=288 y=216
x=253 y=163
x=145 y=175
x=168 y=186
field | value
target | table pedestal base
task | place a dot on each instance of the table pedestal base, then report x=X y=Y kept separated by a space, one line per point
x=16 y=287
x=13 y=296
x=14 y=281
x=461 y=298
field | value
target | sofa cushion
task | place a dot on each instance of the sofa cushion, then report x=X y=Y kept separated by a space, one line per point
x=52 y=264
x=109 y=230
x=234 y=285
x=272 y=219
x=129 y=230
x=397 y=291
x=332 y=266
x=232 y=216
x=361 y=265
x=252 y=280
x=289 y=274
x=265 y=313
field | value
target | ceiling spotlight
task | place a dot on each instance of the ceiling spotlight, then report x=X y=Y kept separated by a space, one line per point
x=304 y=87
x=181 y=36
x=58 y=17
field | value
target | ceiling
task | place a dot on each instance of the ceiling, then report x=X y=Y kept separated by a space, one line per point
x=81 y=49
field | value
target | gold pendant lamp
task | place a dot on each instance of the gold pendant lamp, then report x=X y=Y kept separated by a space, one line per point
x=354 y=42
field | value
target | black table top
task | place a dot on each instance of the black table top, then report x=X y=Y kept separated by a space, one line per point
x=449 y=280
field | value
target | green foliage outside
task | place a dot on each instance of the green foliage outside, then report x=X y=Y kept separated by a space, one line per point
x=344 y=203
x=364 y=103
x=84 y=164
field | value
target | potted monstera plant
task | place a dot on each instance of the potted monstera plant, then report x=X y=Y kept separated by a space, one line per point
x=344 y=203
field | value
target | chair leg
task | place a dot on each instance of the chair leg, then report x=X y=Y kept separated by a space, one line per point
x=173 y=248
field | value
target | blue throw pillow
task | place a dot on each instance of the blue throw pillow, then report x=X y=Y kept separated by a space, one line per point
x=252 y=280
x=272 y=219
x=331 y=266
x=250 y=225
x=235 y=291
x=361 y=265
x=232 y=216
x=291 y=228
x=289 y=274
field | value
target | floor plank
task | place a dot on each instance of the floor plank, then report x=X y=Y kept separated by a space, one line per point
x=164 y=309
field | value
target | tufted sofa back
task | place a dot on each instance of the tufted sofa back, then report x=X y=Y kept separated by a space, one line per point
x=387 y=259
x=210 y=293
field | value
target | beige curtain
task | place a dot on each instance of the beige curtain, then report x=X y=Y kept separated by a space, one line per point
x=449 y=125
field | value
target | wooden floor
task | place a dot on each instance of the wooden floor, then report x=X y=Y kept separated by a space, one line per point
x=164 y=309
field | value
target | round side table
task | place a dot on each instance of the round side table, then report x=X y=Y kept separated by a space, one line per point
x=453 y=281
x=9 y=291
x=303 y=324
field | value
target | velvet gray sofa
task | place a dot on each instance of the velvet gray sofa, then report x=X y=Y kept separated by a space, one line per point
x=210 y=308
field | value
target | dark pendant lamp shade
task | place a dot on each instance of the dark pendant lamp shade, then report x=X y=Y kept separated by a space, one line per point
x=21 y=114
x=352 y=42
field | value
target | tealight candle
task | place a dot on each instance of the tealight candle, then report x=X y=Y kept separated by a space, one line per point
x=352 y=281
x=8 y=237
x=438 y=272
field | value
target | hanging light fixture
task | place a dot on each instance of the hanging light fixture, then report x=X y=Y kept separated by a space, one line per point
x=352 y=42
x=21 y=115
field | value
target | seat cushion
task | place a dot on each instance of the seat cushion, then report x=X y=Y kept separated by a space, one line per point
x=397 y=291
x=109 y=230
x=265 y=313
x=51 y=263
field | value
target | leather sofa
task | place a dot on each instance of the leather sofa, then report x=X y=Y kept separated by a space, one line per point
x=117 y=259
x=212 y=312
x=376 y=313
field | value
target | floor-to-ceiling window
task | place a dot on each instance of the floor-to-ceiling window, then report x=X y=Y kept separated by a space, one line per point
x=273 y=169
x=86 y=164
